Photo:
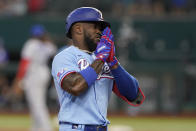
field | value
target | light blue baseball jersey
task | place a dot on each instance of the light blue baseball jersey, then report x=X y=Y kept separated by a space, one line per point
x=90 y=107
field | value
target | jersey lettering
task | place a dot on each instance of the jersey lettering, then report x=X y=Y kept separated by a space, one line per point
x=105 y=73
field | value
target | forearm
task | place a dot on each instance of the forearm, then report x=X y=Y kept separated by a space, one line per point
x=126 y=84
x=91 y=72
x=77 y=82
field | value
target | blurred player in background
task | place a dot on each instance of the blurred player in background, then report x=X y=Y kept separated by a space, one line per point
x=4 y=58
x=4 y=84
x=86 y=72
x=34 y=74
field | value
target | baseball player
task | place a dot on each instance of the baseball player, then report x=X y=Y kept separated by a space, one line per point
x=34 y=74
x=86 y=73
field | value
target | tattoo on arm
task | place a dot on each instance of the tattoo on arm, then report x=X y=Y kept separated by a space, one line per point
x=75 y=84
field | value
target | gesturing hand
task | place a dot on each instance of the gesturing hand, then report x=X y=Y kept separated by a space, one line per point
x=105 y=45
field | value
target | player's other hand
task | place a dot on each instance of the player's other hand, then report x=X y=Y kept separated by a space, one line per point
x=111 y=60
x=17 y=88
x=105 y=45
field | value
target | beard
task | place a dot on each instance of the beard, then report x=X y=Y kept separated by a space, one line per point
x=90 y=43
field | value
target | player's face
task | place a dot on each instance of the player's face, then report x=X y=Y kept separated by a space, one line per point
x=92 y=35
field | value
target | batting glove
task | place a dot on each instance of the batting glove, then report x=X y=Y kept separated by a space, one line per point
x=104 y=46
x=112 y=60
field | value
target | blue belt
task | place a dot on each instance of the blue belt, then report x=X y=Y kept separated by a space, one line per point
x=87 y=127
x=95 y=128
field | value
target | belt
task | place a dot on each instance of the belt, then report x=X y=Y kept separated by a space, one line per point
x=87 y=127
x=95 y=128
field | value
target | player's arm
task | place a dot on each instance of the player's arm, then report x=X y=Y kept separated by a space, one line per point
x=17 y=82
x=77 y=82
x=23 y=66
x=125 y=85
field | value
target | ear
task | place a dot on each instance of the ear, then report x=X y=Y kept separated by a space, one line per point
x=78 y=28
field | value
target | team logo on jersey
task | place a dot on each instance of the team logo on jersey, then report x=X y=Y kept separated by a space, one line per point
x=61 y=72
x=83 y=64
x=105 y=73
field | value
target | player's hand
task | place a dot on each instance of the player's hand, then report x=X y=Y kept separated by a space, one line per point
x=105 y=45
x=112 y=60
x=17 y=88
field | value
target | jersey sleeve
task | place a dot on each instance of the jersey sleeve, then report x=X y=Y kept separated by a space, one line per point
x=138 y=101
x=22 y=69
x=26 y=57
x=62 y=66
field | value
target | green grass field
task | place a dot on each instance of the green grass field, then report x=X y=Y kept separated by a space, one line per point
x=156 y=123
x=22 y=123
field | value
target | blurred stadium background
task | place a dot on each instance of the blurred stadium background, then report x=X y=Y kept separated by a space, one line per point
x=155 y=41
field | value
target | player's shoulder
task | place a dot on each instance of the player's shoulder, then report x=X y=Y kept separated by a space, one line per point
x=65 y=52
x=66 y=55
x=30 y=43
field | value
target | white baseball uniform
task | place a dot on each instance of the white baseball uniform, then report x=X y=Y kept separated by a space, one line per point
x=35 y=81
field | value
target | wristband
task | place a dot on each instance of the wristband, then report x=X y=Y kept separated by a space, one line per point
x=89 y=75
